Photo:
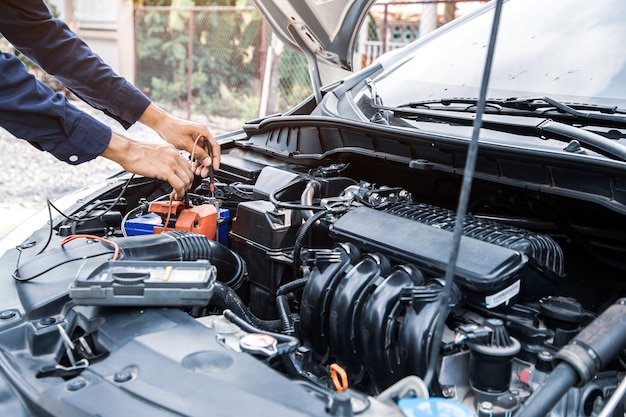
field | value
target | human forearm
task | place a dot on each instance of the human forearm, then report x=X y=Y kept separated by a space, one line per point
x=155 y=161
x=30 y=27
x=32 y=111
x=192 y=137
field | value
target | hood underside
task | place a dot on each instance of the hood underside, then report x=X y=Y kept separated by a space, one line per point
x=325 y=28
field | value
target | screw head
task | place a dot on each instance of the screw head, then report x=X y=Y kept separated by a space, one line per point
x=7 y=314
x=448 y=391
x=76 y=384
x=486 y=405
x=47 y=321
x=122 y=376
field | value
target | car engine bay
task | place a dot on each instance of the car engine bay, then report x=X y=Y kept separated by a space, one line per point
x=315 y=290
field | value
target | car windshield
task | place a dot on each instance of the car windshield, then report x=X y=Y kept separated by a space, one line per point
x=570 y=50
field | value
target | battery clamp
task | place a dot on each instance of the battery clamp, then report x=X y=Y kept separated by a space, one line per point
x=199 y=219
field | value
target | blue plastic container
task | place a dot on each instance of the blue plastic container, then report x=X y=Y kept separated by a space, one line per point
x=143 y=225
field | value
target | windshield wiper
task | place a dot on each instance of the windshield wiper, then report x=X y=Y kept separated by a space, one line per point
x=607 y=113
x=594 y=140
x=558 y=131
x=578 y=112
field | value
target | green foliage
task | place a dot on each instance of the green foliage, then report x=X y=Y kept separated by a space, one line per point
x=227 y=61
x=223 y=51
x=241 y=106
x=294 y=81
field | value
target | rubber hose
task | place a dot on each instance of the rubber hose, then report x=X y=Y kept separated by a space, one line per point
x=599 y=343
x=282 y=303
x=225 y=298
x=287 y=344
x=292 y=286
x=168 y=246
x=186 y=246
x=560 y=380
x=297 y=247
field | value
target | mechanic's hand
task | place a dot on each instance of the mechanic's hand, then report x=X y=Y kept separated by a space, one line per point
x=192 y=137
x=161 y=161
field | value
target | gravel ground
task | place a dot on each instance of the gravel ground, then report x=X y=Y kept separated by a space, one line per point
x=28 y=176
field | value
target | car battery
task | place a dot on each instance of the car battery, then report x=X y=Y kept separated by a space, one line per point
x=198 y=219
x=146 y=224
x=223 y=225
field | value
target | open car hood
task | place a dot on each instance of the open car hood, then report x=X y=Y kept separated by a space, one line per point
x=323 y=29
x=322 y=271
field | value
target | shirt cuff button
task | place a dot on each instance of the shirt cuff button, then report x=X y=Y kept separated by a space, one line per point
x=73 y=158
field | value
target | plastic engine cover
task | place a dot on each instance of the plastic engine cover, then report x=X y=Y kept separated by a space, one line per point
x=490 y=274
x=541 y=249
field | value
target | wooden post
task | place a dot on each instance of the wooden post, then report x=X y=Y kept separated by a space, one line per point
x=126 y=39
x=190 y=37
x=428 y=18
x=449 y=12
x=68 y=13
x=269 y=89
x=264 y=51
x=384 y=28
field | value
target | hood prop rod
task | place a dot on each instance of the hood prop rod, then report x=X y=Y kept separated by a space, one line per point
x=466 y=187
x=298 y=32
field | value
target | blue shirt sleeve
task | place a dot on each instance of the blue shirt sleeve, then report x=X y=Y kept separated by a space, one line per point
x=30 y=27
x=31 y=110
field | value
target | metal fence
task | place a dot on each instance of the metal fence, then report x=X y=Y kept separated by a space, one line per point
x=210 y=63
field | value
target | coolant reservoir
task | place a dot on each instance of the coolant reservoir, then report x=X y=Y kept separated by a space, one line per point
x=433 y=407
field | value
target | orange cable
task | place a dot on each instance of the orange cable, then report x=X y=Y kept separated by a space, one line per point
x=116 y=247
x=169 y=210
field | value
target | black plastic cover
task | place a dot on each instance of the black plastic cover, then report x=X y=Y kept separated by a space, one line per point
x=541 y=249
x=145 y=283
x=482 y=267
